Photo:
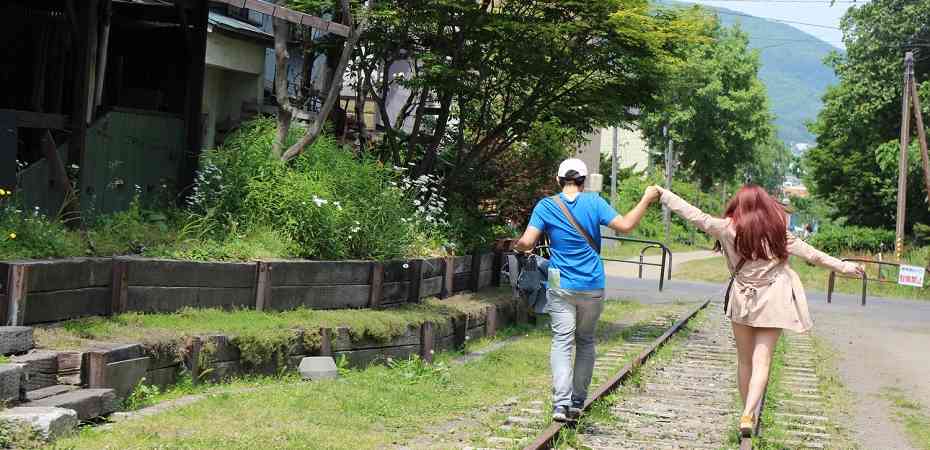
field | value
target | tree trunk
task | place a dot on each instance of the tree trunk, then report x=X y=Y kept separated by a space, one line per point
x=285 y=113
x=335 y=86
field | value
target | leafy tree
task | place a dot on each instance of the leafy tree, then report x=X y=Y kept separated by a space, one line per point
x=490 y=71
x=851 y=167
x=714 y=105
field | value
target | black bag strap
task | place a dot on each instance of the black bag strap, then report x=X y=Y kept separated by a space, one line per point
x=571 y=218
x=726 y=297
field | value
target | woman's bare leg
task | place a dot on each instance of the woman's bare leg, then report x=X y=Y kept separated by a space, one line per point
x=766 y=339
x=745 y=341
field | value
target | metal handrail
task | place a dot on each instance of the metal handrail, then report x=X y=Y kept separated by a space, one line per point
x=865 y=278
x=666 y=257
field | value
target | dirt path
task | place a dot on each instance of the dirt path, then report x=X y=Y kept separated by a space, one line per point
x=884 y=345
x=618 y=269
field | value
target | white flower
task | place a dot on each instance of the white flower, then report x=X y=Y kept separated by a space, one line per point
x=319 y=201
x=358 y=223
x=73 y=166
x=406 y=266
x=355 y=229
x=416 y=203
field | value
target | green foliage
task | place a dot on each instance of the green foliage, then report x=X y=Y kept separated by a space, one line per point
x=14 y=435
x=29 y=234
x=714 y=105
x=325 y=204
x=414 y=370
x=860 y=120
x=835 y=239
x=142 y=395
x=630 y=191
x=132 y=231
x=922 y=233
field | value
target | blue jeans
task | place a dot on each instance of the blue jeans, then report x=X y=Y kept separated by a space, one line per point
x=573 y=315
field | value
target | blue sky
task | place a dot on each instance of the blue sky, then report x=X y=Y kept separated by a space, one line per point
x=823 y=18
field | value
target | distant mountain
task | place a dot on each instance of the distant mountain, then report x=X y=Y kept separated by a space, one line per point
x=792 y=70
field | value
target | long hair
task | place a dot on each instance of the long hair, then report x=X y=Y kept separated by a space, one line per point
x=760 y=224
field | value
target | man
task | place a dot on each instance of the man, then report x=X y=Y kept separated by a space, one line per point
x=575 y=288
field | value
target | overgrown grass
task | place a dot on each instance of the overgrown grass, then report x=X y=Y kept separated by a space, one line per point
x=376 y=407
x=813 y=277
x=836 y=397
x=913 y=415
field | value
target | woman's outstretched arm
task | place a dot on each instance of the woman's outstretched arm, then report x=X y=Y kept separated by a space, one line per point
x=804 y=250
x=713 y=226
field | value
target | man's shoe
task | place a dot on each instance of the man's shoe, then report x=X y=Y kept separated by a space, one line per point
x=561 y=413
x=575 y=411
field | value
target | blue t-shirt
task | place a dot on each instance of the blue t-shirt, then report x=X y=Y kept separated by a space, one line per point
x=579 y=265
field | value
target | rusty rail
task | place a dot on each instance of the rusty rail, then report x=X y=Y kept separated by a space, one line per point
x=550 y=435
x=831 y=282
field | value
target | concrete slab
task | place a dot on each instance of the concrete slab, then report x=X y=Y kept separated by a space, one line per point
x=88 y=403
x=318 y=368
x=12 y=379
x=15 y=340
x=50 y=422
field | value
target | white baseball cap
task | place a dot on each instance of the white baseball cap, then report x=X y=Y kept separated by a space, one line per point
x=573 y=164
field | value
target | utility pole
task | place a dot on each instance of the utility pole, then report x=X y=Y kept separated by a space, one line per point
x=669 y=168
x=613 y=167
x=902 y=160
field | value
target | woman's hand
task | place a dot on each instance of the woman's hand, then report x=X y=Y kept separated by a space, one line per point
x=652 y=193
x=856 y=270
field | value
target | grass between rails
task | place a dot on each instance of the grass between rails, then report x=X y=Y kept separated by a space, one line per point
x=813 y=278
x=371 y=408
x=837 y=399
x=600 y=413
x=773 y=434
x=911 y=414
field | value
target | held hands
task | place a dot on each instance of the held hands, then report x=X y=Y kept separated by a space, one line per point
x=652 y=194
x=856 y=270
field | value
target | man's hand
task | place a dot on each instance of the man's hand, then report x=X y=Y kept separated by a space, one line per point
x=652 y=193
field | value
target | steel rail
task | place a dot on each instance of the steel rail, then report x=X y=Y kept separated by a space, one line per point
x=550 y=435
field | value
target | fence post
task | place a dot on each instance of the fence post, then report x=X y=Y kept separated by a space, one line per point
x=416 y=279
x=94 y=369
x=475 y=279
x=119 y=287
x=326 y=342
x=427 y=341
x=513 y=266
x=448 y=276
x=831 y=281
x=496 y=267
x=376 y=282
x=196 y=346
x=262 y=285
x=490 y=322
x=17 y=287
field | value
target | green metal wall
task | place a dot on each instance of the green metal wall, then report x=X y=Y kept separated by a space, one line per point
x=129 y=149
x=125 y=149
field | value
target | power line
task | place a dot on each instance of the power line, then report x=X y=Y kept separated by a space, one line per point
x=778 y=20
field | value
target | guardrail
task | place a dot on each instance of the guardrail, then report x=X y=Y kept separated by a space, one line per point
x=666 y=257
x=865 y=278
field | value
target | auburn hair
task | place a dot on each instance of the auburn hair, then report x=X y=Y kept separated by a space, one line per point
x=759 y=219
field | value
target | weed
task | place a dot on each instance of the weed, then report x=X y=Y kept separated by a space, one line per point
x=912 y=415
x=141 y=396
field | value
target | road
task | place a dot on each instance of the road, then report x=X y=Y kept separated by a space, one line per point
x=885 y=344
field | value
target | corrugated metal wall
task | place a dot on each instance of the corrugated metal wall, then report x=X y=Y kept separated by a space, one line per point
x=125 y=149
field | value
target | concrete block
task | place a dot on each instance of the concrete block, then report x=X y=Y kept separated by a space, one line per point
x=88 y=403
x=46 y=392
x=124 y=376
x=50 y=422
x=12 y=383
x=318 y=368
x=14 y=340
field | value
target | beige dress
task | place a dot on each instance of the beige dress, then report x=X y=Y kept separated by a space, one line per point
x=767 y=292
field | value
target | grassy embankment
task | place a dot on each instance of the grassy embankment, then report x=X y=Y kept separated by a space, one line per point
x=370 y=408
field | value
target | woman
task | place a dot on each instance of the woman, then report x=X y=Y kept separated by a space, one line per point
x=766 y=296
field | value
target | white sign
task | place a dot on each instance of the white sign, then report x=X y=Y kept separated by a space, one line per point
x=911 y=276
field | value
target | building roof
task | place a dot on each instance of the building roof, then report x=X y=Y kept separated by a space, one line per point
x=237 y=26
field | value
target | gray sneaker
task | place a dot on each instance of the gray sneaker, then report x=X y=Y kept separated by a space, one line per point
x=561 y=413
x=575 y=411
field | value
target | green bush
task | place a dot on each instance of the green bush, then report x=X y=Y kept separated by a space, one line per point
x=835 y=239
x=922 y=233
x=328 y=202
x=31 y=235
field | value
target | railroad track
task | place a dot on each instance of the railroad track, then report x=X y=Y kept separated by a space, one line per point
x=801 y=413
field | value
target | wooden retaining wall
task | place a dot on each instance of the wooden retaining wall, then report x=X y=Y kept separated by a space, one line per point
x=51 y=291
x=216 y=357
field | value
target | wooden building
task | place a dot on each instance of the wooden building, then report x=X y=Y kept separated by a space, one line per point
x=106 y=96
